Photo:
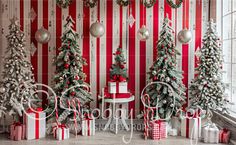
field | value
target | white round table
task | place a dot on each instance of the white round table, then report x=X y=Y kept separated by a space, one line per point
x=113 y=117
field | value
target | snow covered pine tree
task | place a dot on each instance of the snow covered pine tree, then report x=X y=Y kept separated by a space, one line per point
x=164 y=70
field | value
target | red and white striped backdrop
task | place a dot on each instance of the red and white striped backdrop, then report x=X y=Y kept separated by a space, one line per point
x=98 y=52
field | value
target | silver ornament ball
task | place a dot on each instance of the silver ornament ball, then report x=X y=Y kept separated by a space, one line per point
x=2 y=90
x=185 y=36
x=42 y=35
x=143 y=33
x=97 y=29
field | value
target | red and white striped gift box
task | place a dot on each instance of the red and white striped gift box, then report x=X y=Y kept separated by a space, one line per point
x=158 y=130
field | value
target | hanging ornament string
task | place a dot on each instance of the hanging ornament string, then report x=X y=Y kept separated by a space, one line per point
x=173 y=5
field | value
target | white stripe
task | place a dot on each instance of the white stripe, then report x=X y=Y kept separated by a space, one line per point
x=205 y=16
x=79 y=21
x=93 y=59
x=149 y=42
x=116 y=28
x=27 y=26
x=125 y=33
x=102 y=58
x=178 y=44
x=39 y=48
x=161 y=14
x=137 y=59
x=192 y=16
x=52 y=42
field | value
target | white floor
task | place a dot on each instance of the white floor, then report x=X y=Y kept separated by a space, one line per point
x=102 y=138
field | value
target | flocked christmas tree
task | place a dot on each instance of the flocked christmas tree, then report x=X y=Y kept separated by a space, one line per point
x=164 y=70
x=69 y=78
x=18 y=79
x=207 y=89
x=118 y=70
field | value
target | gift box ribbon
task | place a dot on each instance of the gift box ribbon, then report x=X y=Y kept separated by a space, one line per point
x=62 y=127
x=195 y=115
x=36 y=112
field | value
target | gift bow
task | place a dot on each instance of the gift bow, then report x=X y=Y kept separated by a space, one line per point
x=225 y=130
x=118 y=78
x=17 y=124
x=39 y=109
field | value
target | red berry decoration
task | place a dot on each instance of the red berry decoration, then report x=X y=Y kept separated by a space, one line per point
x=72 y=93
x=122 y=66
x=155 y=78
x=66 y=66
x=76 y=78
x=68 y=83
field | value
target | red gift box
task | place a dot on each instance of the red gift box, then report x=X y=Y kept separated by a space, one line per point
x=158 y=130
x=224 y=136
x=17 y=131
x=116 y=95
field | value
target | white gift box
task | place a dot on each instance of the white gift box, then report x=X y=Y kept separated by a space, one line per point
x=35 y=123
x=173 y=132
x=117 y=87
x=176 y=124
x=210 y=134
x=61 y=132
x=191 y=128
x=88 y=127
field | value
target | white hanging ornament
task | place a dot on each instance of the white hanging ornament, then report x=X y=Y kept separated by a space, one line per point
x=2 y=90
x=143 y=33
x=185 y=36
x=97 y=29
x=42 y=35
x=131 y=20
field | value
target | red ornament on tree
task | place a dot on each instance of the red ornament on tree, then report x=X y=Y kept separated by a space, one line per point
x=155 y=78
x=66 y=66
x=118 y=52
x=122 y=66
x=76 y=78
x=72 y=93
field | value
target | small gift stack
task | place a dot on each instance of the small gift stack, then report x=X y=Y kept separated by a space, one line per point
x=61 y=132
x=191 y=127
x=224 y=136
x=88 y=125
x=210 y=134
x=158 y=130
x=17 y=131
x=35 y=124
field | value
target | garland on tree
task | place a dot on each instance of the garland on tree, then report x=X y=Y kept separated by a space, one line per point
x=118 y=72
x=173 y=5
x=69 y=79
x=207 y=89
x=17 y=87
x=164 y=70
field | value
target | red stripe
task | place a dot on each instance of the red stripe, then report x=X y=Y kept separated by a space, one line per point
x=198 y=31
x=155 y=28
x=167 y=10
x=45 y=50
x=22 y=14
x=34 y=28
x=109 y=36
x=58 y=28
x=142 y=66
x=86 y=42
x=185 y=48
x=132 y=34
x=98 y=58
x=72 y=12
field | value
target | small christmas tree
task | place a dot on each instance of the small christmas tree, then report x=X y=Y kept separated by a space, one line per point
x=207 y=89
x=69 y=78
x=17 y=74
x=164 y=70
x=118 y=70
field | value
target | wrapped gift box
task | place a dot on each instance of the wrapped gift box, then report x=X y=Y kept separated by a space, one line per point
x=191 y=127
x=17 y=131
x=35 y=122
x=210 y=134
x=173 y=132
x=61 y=132
x=158 y=130
x=88 y=127
x=224 y=136
x=117 y=87
x=176 y=124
